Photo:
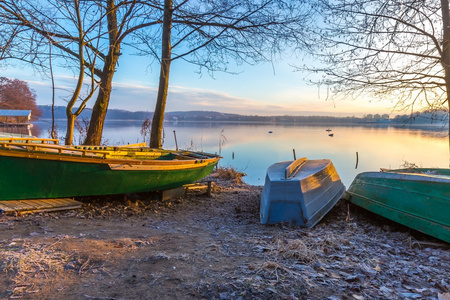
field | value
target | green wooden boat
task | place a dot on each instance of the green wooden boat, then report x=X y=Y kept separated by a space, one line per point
x=40 y=168
x=417 y=198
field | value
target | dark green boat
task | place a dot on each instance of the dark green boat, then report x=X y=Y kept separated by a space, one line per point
x=417 y=198
x=40 y=168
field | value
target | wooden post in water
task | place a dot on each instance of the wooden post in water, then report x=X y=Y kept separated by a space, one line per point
x=175 y=135
x=357 y=159
x=295 y=158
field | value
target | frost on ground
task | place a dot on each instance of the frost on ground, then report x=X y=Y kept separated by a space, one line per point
x=214 y=247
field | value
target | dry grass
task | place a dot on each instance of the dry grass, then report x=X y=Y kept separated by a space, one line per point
x=284 y=253
x=26 y=261
x=229 y=173
x=280 y=254
x=293 y=249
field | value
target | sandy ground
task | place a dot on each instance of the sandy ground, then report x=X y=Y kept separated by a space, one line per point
x=200 y=247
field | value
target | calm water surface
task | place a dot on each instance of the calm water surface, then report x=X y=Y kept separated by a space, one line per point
x=251 y=148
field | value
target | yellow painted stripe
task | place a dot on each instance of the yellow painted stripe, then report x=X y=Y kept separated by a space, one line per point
x=129 y=167
x=99 y=160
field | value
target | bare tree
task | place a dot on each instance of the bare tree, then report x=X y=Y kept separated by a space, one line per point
x=396 y=50
x=72 y=115
x=104 y=24
x=212 y=34
x=208 y=33
x=166 y=52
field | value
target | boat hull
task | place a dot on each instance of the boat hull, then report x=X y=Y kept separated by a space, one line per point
x=418 y=198
x=302 y=199
x=28 y=174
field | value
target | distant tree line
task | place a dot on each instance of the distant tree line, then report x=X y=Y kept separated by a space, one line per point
x=439 y=116
x=426 y=117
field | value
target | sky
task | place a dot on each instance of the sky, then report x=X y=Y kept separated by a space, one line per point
x=264 y=89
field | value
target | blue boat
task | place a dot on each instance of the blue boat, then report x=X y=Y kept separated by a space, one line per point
x=300 y=192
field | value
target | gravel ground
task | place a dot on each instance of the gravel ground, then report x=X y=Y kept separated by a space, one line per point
x=200 y=247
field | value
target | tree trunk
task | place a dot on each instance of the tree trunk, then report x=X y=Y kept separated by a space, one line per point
x=95 y=130
x=70 y=115
x=158 y=116
x=70 y=128
x=446 y=56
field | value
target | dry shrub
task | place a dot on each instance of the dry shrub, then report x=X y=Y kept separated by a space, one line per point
x=295 y=249
x=229 y=173
x=274 y=269
x=331 y=243
x=408 y=165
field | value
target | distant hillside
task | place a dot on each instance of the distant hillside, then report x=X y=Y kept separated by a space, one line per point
x=112 y=114
x=119 y=114
x=201 y=116
x=427 y=117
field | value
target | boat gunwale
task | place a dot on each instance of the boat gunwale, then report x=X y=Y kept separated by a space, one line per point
x=406 y=176
x=395 y=208
x=396 y=188
x=73 y=157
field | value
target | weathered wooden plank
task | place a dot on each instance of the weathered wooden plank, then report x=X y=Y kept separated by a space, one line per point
x=54 y=201
x=172 y=193
x=14 y=205
x=206 y=185
x=38 y=205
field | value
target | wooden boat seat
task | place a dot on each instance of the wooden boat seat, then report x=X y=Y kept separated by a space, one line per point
x=52 y=146
x=294 y=167
x=29 y=140
x=61 y=149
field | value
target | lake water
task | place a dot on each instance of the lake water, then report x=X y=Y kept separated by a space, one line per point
x=252 y=148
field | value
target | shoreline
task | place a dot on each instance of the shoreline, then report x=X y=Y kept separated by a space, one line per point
x=200 y=247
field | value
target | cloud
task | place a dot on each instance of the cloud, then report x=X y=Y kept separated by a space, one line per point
x=257 y=91
x=138 y=96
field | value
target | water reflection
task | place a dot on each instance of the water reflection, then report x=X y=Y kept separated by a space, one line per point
x=251 y=149
x=20 y=130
